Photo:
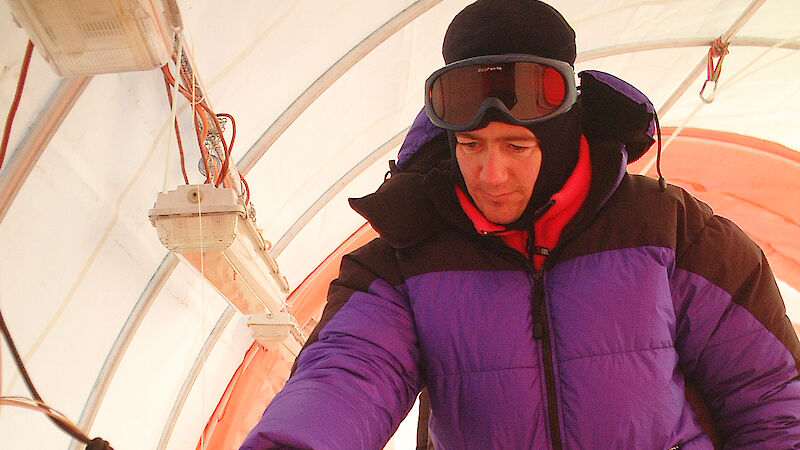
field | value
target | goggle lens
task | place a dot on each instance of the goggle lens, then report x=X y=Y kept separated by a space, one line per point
x=528 y=90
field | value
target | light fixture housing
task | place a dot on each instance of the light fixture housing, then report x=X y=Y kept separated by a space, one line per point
x=87 y=37
x=209 y=228
x=278 y=327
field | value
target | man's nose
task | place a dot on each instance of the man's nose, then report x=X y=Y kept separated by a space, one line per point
x=495 y=167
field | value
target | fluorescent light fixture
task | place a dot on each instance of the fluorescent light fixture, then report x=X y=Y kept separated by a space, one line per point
x=278 y=327
x=209 y=228
x=87 y=37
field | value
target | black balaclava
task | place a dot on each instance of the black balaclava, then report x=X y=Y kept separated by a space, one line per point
x=495 y=27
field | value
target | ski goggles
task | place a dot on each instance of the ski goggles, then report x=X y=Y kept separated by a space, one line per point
x=525 y=89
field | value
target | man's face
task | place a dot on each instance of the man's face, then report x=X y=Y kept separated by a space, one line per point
x=500 y=163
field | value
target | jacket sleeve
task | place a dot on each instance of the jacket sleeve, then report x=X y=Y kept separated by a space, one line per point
x=735 y=340
x=356 y=381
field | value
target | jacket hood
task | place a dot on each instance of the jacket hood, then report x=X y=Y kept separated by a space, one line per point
x=418 y=199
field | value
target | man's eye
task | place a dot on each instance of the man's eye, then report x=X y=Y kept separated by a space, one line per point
x=468 y=146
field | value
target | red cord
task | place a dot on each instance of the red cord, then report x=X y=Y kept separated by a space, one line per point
x=718 y=49
x=23 y=74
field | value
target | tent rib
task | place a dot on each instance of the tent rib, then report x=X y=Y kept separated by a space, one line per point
x=321 y=84
x=36 y=139
x=194 y=372
x=678 y=43
x=120 y=346
x=332 y=191
x=737 y=25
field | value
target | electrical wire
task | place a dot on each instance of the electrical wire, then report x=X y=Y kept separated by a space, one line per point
x=177 y=132
x=52 y=413
x=228 y=147
x=225 y=150
x=204 y=117
x=246 y=188
x=68 y=427
x=188 y=76
x=201 y=130
x=172 y=92
x=23 y=74
x=201 y=126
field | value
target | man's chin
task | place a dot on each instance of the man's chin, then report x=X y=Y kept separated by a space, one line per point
x=500 y=217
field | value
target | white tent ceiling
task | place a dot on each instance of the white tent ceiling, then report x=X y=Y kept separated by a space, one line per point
x=82 y=269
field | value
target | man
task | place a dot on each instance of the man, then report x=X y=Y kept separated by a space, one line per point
x=541 y=295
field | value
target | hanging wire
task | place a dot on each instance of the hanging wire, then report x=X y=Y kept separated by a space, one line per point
x=171 y=93
x=52 y=413
x=60 y=420
x=23 y=74
x=65 y=425
x=177 y=137
x=211 y=140
x=203 y=302
x=228 y=147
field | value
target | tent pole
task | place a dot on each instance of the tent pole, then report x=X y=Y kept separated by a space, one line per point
x=36 y=139
x=745 y=41
x=194 y=372
x=330 y=76
x=737 y=25
x=124 y=338
x=337 y=187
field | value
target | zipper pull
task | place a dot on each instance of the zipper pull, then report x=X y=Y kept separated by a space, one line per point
x=538 y=330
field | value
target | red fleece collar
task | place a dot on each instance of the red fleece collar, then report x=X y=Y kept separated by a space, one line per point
x=548 y=227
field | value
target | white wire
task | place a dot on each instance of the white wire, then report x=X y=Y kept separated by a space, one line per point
x=203 y=301
x=42 y=407
x=173 y=113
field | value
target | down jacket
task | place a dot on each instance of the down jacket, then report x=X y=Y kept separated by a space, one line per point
x=645 y=290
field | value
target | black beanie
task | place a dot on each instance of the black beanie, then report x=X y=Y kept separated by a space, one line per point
x=495 y=27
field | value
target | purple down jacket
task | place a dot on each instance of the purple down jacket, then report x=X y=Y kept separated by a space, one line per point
x=646 y=289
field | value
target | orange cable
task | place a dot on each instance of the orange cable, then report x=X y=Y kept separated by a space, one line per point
x=227 y=148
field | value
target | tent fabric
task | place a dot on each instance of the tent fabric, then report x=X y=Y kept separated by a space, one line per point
x=82 y=263
x=747 y=180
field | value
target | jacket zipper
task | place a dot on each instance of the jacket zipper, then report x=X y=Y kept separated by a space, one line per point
x=541 y=332
x=541 y=329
